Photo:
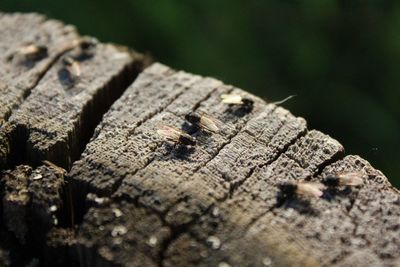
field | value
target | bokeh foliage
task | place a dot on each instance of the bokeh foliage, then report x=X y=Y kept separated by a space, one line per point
x=341 y=58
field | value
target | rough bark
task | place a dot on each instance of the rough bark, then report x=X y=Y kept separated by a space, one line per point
x=133 y=199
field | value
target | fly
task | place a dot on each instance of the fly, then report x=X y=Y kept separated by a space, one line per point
x=305 y=189
x=176 y=135
x=28 y=54
x=72 y=66
x=204 y=121
x=344 y=179
x=235 y=99
x=33 y=52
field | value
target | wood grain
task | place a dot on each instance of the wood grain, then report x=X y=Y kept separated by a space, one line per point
x=130 y=198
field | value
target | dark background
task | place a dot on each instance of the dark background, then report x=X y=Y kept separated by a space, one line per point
x=341 y=58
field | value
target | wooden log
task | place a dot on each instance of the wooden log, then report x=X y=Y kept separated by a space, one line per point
x=51 y=100
x=222 y=194
x=59 y=115
x=29 y=46
x=135 y=199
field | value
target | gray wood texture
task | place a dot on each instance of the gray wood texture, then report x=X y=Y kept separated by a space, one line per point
x=133 y=199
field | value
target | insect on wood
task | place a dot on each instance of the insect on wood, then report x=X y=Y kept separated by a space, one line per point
x=86 y=47
x=305 y=189
x=344 y=179
x=204 y=121
x=87 y=42
x=176 y=135
x=28 y=54
x=72 y=66
x=235 y=99
x=33 y=52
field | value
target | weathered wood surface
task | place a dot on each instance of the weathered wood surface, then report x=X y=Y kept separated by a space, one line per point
x=132 y=199
x=19 y=73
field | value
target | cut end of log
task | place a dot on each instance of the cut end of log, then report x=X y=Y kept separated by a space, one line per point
x=87 y=181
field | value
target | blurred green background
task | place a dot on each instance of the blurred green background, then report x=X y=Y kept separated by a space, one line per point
x=341 y=58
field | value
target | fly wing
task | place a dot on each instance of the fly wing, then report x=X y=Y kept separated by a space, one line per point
x=29 y=50
x=210 y=123
x=310 y=189
x=169 y=132
x=231 y=99
x=350 y=178
x=75 y=69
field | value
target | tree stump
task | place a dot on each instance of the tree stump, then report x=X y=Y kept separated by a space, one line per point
x=87 y=181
